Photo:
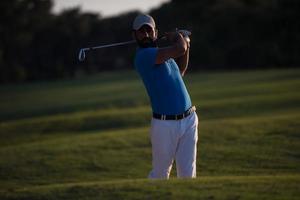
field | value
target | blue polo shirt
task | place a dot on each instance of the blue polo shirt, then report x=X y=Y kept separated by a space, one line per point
x=163 y=82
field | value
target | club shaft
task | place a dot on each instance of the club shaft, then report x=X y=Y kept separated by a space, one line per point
x=110 y=45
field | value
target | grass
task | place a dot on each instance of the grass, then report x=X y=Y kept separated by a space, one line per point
x=88 y=138
x=229 y=187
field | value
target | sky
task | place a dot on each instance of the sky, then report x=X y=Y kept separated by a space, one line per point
x=107 y=8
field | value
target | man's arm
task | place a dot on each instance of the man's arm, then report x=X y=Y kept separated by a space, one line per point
x=183 y=62
x=178 y=48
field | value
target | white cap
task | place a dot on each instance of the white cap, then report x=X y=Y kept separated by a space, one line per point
x=141 y=20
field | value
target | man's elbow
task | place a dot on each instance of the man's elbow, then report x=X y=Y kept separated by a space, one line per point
x=181 y=49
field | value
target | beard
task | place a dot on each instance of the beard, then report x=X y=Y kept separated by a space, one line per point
x=147 y=43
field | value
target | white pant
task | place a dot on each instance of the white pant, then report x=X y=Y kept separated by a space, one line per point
x=174 y=139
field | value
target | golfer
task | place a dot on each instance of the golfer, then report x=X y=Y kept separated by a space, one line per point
x=174 y=125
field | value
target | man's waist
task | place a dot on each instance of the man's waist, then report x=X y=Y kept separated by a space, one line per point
x=175 y=117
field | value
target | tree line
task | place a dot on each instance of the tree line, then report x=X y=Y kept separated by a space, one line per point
x=36 y=44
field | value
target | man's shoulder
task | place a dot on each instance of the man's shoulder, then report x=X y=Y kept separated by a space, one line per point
x=145 y=57
x=145 y=51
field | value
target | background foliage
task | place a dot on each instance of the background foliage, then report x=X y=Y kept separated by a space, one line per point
x=36 y=44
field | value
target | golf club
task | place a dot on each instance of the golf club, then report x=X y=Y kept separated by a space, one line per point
x=82 y=51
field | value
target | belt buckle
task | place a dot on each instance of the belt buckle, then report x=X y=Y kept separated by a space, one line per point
x=194 y=108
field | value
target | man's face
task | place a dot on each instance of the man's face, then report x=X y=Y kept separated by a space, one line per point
x=146 y=36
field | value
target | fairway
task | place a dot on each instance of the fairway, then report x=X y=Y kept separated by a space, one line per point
x=88 y=138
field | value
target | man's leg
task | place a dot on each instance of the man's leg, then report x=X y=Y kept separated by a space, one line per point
x=164 y=142
x=187 y=148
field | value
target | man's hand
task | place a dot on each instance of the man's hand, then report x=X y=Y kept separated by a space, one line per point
x=185 y=34
x=173 y=37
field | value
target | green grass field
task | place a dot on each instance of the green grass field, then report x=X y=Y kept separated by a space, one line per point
x=88 y=138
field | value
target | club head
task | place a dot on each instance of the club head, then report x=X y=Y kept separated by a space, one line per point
x=81 y=55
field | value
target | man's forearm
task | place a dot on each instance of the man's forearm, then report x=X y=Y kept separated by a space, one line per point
x=183 y=61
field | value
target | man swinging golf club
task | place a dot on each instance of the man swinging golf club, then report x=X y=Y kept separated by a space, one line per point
x=174 y=126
